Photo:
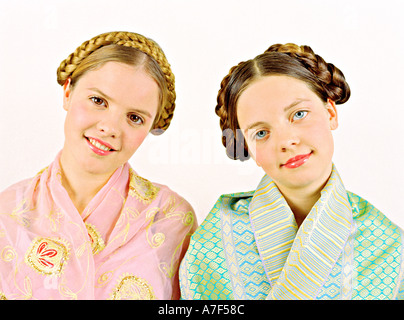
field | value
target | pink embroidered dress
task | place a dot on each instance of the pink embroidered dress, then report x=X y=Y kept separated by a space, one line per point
x=127 y=244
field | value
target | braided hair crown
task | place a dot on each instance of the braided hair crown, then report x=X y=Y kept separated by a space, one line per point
x=126 y=39
x=330 y=77
x=289 y=59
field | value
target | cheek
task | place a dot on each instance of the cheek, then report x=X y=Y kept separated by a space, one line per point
x=322 y=139
x=252 y=148
x=135 y=139
x=264 y=155
x=78 y=117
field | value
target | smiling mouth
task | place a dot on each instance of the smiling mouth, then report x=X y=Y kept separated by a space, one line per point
x=297 y=161
x=99 y=147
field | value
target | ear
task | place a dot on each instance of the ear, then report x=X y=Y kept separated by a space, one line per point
x=67 y=90
x=333 y=115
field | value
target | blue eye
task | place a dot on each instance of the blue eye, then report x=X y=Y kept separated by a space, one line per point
x=261 y=134
x=299 y=115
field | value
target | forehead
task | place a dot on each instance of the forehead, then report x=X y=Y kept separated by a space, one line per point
x=272 y=90
x=271 y=95
x=120 y=81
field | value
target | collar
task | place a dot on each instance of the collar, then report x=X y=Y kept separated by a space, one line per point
x=298 y=261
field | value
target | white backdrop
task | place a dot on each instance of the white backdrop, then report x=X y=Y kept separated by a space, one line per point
x=202 y=40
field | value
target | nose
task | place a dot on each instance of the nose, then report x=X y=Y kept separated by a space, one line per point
x=109 y=125
x=287 y=138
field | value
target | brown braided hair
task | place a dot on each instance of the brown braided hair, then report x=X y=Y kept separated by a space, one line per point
x=129 y=48
x=300 y=62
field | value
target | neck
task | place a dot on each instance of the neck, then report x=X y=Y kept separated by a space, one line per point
x=302 y=200
x=80 y=185
x=301 y=203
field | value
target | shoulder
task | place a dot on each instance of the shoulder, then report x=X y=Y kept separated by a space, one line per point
x=238 y=195
x=147 y=192
x=370 y=220
x=203 y=270
x=21 y=185
x=24 y=184
x=16 y=201
x=360 y=206
x=363 y=209
x=168 y=206
x=16 y=192
x=234 y=203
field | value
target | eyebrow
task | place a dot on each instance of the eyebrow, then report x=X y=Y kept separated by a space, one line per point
x=253 y=125
x=287 y=108
x=144 y=112
x=293 y=104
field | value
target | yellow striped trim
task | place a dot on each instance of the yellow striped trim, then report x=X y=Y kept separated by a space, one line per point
x=297 y=263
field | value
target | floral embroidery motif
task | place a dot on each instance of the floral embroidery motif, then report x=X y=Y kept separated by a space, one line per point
x=97 y=243
x=8 y=254
x=131 y=287
x=141 y=188
x=157 y=240
x=47 y=256
x=3 y=296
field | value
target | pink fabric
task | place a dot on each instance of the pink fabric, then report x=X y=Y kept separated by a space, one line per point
x=46 y=247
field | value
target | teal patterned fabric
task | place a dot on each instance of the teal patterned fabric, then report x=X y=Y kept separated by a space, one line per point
x=375 y=259
x=249 y=247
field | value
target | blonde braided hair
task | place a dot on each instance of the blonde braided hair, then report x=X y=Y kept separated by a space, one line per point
x=132 y=40
x=300 y=62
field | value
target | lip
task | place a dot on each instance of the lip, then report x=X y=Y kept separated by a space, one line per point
x=297 y=161
x=99 y=151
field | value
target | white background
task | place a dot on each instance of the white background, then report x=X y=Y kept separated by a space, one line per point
x=202 y=40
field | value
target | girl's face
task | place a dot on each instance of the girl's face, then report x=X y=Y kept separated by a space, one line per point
x=288 y=130
x=110 y=111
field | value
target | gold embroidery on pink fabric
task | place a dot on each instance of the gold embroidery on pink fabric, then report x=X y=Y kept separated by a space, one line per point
x=3 y=296
x=55 y=217
x=67 y=292
x=41 y=171
x=157 y=240
x=97 y=243
x=8 y=254
x=130 y=287
x=47 y=256
x=104 y=279
x=27 y=290
x=18 y=213
x=141 y=188
x=188 y=219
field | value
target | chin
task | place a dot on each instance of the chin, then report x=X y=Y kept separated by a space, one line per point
x=96 y=168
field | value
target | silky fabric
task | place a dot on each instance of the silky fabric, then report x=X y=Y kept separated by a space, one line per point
x=126 y=244
x=250 y=247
